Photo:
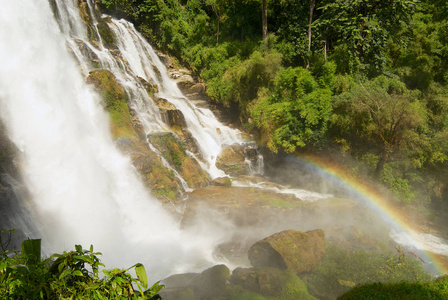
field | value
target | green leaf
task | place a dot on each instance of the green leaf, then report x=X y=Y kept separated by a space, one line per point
x=77 y=273
x=141 y=274
x=64 y=274
x=31 y=249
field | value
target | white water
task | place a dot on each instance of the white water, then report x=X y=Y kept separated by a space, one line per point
x=300 y=194
x=421 y=241
x=210 y=134
x=84 y=190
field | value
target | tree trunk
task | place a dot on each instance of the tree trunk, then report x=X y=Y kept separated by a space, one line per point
x=264 y=20
x=380 y=165
x=312 y=5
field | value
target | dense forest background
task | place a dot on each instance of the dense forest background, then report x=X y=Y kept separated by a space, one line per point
x=363 y=82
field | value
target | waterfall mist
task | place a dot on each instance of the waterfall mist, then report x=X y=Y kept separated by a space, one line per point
x=84 y=190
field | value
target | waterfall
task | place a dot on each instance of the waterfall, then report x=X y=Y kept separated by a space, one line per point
x=209 y=133
x=83 y=189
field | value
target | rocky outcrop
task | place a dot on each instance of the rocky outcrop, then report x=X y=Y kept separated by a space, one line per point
x=114 y=97
x=129 y=136
x=237 y=159
x=291 y=250
x=175 y=153
x=172 y=116
x=210 y=284
x=232 y=160
x=222 y=181
x=271 y=282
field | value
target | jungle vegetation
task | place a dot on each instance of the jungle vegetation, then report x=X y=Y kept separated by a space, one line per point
x=360 y=78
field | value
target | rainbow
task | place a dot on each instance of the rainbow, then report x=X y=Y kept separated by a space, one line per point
x=377 y=202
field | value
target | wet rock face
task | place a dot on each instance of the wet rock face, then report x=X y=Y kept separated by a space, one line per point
x=175 y=153
x=234 y=159
x=291 y=250
x=115 y=102
x=173 y=117
x=222 y=181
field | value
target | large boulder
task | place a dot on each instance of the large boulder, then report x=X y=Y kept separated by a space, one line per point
x=173 y=116
x=238 y=159
x=232 y=160
x=210 y=284
x=271 y=282
x=291 y=250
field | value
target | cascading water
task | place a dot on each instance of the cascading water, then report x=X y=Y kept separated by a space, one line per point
x=210 y=134
x=85 y=191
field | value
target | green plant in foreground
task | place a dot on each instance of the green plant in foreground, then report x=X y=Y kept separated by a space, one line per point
x=70 y=275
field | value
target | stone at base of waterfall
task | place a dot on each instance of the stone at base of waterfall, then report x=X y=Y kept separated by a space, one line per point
x=173 y=116
x=209 y=284
x=269 y=282
x=232 y=160
x=292 y=250
x=222 y=181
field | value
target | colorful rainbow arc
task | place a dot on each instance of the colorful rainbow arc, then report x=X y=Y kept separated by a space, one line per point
x=373 y=198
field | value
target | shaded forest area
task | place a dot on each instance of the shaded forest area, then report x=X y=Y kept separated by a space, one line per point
x=363 y=82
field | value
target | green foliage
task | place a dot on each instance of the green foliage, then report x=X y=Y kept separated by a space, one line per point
x=342 y=269
x=70 y=275
x=380 y=114
x=296 y=110
x=403 y=290
x=363 y=28
x=385 y=62
x=241 y=82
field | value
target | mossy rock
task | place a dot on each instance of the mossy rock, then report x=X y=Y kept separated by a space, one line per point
x=402 y=290
x=84 y=12
x=292 y=250
x=161 y=181
x=271 y=283
x=107 y=35
x=155 y=176
x=232 y=160
x=210 y=284
x=175 y=153
x=114 y=97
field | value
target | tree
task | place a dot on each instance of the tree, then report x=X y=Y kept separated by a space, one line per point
x=364 y=27
x=295 y=112
x=381 y=114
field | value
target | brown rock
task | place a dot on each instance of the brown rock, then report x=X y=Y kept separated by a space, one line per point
x=291 y=250
x=222 y=181
x=172 y=116
x=210 y=284
x=232 y=160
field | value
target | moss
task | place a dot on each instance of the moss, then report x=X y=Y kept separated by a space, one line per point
x=402 y=290
x=175 y=153
x=293 y=289
x=114 y=97
x=341 y=266
x=236 y=292
x=84 y=12
x=162 y=181
x=107 y=35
